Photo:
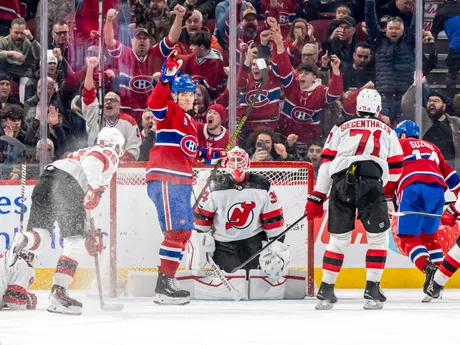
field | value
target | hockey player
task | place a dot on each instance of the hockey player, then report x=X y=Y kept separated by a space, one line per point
x=425 y=177
x=360 y=156
x=169 y=174
x=65 y=191
x=242 y=210
x=15 y=280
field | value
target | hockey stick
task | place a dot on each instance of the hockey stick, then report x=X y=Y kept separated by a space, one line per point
x=406 y=213
x=104 y=307
x=232 y=291
x=264 y=71
x=23 y=194
x=268 y=244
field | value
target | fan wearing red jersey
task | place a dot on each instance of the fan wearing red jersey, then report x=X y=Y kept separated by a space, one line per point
x=241 y=210
x=66 y=189
x=425 y=177
x=360 y=156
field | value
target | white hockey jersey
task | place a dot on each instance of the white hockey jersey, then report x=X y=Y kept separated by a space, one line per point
x=14 y=282
x=239 y=211
x=92 y=166
x=360 y=139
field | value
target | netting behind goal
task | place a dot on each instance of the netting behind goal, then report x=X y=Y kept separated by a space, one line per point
x=135 y=233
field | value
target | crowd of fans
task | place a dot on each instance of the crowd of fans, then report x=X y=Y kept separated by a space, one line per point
x=316 y=69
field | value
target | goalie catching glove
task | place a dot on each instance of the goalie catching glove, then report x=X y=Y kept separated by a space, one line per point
x=275 y=259
x=93 y=242
x=314 y=206
x=170 y=68
x=93 y=197
x=450 y=215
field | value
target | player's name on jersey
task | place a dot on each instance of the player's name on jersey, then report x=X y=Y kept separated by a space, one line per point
x=364 y=123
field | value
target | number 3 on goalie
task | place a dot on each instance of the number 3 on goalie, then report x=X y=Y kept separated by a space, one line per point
x=273 y=197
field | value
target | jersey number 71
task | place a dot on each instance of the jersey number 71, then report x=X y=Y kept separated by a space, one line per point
x=365 y=134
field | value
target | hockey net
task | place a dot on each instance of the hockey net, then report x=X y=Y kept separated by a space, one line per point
x=135 y=234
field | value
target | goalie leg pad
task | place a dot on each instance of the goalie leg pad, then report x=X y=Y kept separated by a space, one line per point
x=68 y=261
x=172 y=250
x=199 y=245
x=291 y=286
x=376 y=255
x=208 y=286
x=334 y=255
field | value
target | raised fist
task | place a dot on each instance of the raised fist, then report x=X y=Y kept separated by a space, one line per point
x=92 y=62
x=111 y=14
x=180 y=11
x=28 y=34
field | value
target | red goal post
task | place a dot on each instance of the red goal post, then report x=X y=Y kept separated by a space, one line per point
x=135 y=234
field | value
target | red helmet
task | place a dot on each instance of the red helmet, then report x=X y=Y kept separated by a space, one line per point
x=237 y=162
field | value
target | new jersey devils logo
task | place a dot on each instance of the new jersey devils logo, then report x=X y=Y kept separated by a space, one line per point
x=240 y=215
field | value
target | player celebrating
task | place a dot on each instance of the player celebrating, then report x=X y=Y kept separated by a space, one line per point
x=15 y=280
x=242 y=210
x=360 y=156
x=169 y=174
x=67 y=188
x=425 y=177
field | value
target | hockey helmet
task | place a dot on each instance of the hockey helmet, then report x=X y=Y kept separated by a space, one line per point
x=237 y=163
x=111 y=137
x=183 y=84
x=409 y=127
x=369 y=101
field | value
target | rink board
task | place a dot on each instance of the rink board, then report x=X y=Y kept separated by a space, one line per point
x=398 y=274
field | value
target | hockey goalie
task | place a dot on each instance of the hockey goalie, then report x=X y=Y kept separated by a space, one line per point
x=238 y=214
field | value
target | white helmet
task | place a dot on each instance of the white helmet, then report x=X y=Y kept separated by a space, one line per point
x=237 y=162
x=111 y=137
x=369 y=101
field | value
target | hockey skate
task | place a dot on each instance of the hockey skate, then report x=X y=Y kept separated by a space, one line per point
x=167 y=291
x=434 y=290
x=429 y=269
x=326 y=297
x=374 y=296
x=19 y=243
x=61 y=303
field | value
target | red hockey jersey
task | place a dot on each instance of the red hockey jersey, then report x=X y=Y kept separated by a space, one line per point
x=284 y=14
x=135 y=74
x=176 y=145
x=207 y=140
x=423 y=162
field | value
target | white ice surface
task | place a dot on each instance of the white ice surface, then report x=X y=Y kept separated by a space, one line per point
x=404 y=320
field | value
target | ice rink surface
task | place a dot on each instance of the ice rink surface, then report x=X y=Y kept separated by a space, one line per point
x=404 y=320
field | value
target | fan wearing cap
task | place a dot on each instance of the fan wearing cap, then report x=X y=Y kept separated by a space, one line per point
x=138 y=64
x=343 y=40
x=213 y=134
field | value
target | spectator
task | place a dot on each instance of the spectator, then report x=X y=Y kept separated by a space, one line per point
x=206 y=7
x=9 y=10
x=314 y=156
x=300 y=34
x=72 y=55
x=154 y=18
x=265 y=146
x=213 y=134
x=148 y=135
x=33 y=167
x=202 y=102
x=205 y=65
x=310 y=53
x=343 y=41
x=5 y=92
x=340 y=12
x=222 y=14
x=31 y=86
x=447 y=20
x=284 y=11
x=194 y=25
x=57 y=11
x=136 y=66
x=398 y=8
x=12 y=116
x=394 y=60
x=359 y=73
x=112 y=116
x=19 y=51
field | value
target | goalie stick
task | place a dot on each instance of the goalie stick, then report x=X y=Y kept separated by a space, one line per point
x=232 y=291
x=264 y=71
x=104 y=307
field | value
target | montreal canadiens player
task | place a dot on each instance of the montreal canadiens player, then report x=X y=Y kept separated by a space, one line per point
x=360 y=156
x=425 y=177
x=242 y=210
x=15 y=280
x=65 y=191
x=169 y=173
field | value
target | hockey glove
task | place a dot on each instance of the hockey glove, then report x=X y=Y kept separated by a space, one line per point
x=170 y=68
x=209 y=154
x=32 y=303
x=275 y=259
x=93 y=242
x=314 y=206
x=92 y=197
x=449 y=217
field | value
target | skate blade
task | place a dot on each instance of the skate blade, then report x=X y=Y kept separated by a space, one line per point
x=324 y=305
x=372 y=305
x=166 y=300
x=113 y=307
x=62 y=310
x=427 y=299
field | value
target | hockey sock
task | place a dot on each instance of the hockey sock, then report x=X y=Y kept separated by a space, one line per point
x=68 y=261
x=449 y=265
x=37 y=240
x=434 y=247
x=415 y=250
x=376 y=255
x=172 y=250
x=333 y=256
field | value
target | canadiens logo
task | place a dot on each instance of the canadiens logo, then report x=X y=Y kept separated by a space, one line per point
x=261 y=101
x=302 y=114
x=240 y=215
x=284 y=18
x=189 y=145
x=141 y=84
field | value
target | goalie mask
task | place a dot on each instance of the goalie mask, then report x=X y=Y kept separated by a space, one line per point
x=237 y=163
x=111 y=137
